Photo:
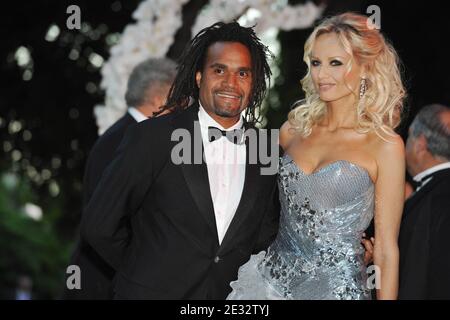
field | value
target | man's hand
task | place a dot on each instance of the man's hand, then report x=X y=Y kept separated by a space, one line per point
x=368 y=245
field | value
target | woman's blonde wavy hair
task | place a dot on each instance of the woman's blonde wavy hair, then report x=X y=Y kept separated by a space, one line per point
x=380 y=107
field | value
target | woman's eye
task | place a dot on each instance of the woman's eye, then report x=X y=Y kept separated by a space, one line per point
x=315 y=63
x=336 y=63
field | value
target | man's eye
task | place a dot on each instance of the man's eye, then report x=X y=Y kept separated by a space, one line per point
x=243 y=74
x=336 y=63
x=315 y=63
x=218 y=71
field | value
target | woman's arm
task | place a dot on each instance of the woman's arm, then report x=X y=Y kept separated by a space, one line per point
x=389 y=198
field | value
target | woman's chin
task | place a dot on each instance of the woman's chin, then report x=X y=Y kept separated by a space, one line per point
x=327 y=98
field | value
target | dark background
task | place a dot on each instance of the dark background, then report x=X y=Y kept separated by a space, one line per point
x=47 y=125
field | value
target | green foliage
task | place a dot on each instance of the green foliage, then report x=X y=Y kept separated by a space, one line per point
x=28 y=246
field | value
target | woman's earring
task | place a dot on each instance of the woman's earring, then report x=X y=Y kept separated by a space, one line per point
x=362 y=88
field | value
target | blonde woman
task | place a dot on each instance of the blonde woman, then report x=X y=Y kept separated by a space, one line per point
x=343 y=166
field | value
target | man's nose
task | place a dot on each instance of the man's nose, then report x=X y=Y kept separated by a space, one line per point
x=230 y=81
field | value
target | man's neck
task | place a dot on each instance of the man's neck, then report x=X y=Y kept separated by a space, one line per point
x=146 y=111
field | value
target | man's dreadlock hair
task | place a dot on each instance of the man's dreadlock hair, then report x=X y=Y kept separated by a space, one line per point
x=193 y=60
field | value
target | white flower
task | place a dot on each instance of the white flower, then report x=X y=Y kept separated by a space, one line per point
x=33 y=211
x=145 y=11
x=105 y=117
x=10 y=180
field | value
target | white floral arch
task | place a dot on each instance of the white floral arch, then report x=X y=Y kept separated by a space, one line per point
x=157 y=22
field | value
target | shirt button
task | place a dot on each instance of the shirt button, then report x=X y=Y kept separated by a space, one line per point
x=216 y=259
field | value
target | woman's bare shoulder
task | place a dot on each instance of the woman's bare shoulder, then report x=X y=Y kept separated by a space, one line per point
x=388 y=149
x=287 y=133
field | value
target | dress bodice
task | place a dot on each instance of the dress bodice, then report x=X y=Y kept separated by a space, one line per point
x=318 y=252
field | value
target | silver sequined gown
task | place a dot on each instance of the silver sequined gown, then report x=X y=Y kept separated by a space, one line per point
x=317 y=253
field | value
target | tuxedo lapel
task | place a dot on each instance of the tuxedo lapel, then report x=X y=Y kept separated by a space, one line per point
x=196 y=175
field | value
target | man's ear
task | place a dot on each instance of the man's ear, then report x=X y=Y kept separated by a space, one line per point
x=198 y=78
x=421 y=144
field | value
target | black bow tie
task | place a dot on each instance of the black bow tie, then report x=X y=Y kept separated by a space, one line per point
x=234 y=136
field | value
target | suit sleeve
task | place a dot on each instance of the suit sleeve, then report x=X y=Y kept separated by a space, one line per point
x=439 y=264
x=269 y=225
x=118 y=196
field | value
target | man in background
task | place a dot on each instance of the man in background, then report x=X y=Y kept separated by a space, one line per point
x=148 y=86
x=423 y=239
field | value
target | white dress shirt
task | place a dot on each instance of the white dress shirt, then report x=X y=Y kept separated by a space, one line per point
x=431 y=170
x=226 y=171
x=136 y=114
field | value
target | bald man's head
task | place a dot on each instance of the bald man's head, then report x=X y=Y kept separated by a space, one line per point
x=428 y=141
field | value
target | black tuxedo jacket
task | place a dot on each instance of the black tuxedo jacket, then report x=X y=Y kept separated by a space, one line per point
x=102 y=154
x=96 y=274
x=423 y=241
x=172 y=249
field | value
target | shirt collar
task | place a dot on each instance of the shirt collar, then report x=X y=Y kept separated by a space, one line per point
x=136 y=114
x=431 y=170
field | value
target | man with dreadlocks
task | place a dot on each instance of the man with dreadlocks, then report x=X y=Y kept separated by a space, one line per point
x=192 y=224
